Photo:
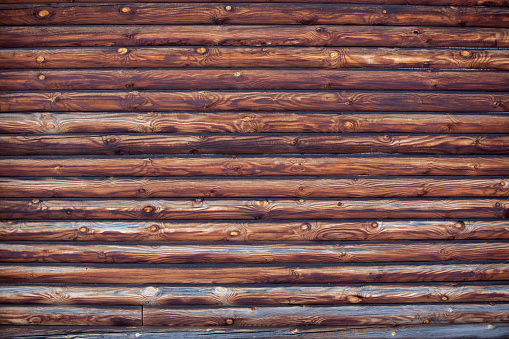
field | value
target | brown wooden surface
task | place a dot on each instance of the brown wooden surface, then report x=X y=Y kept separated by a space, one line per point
x=182 y=209
x=297 y=14
x=285 y=295
x=249 y=231
x=251 y=274
x=252 y=122
x=254 y=166
x=254 y=57
x=254 y=35
x=488 y=3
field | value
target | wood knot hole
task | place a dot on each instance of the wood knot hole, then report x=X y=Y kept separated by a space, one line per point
x=40 y=59
x=126 y=10
x=154 y=228
x=201 y=50
x=229 y=321
x=148 y=209
x=374 y=224
x=43 y=13
x=41 y=77
x=122 y=50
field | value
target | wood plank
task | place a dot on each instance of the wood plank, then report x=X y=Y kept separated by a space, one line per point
x=253 y=188
x=251 y=274
x=253 y=35
x=254 y=166
x=251 y=122
x=251 y=13
x=70 y=315
x=249 y=231
x=253 y=101
x=240 y=295
x=234 y=144
x=252 y=79
x=325 y=316
x=447 y=331
x=253 y=253
x=36 y=209
x=254 y=57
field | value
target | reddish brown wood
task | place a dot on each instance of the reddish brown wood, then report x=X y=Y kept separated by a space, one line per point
x=252 y=253
x=36 y=209
x=253 y=13
x=241 y=295
x=253 y=35
x=254 y=57
x=258 y=166
x=68 y=144
x=249 y=231
x=251 y=122
x=258 y=274
x=70 y=315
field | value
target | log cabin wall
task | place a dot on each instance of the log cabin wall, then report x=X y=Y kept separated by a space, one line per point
x=297 y=168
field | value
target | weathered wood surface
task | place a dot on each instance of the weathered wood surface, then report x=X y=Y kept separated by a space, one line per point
x=69 y=144
x=254 y=57
x=251 y=274
x=180 y=209
x=252 y=122
x=241 y=295
x=253 y=79
x=253 y=13
x=249 y=231
x=253 y=35
x=253 y=166
x=70 y=315
x=253 y=253
x=488 y=3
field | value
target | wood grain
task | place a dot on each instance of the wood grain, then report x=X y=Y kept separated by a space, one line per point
x=254 y=166
x=253 y=13
x=251 y=122
x=254 y=57
x=253 y=188
x=252 y=253
x=70 y=315
x=233 y=144
x=251 y=274
x=253 y=35
x=241 y=295
x=325 y=316
x=100 y=209
x=249 y=231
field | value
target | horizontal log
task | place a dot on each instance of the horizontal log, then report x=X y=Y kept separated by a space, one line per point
x=257 y=166
x=253 y=188
x=253 y=57
x=325 y=316
x=70 y=315
x=253 y=35
x=251 y=122
x=250 y=144
x=252 y=79
x=253 y=101
x=252 y=253
x=240 y=295
x=253 y=13
x=447 y=331
x=258 y=274
x=36 y=209
x=248 y=231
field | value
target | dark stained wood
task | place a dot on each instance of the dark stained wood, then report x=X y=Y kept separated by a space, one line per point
x=251 y=122
x=249 y=35
x=254 y=57
x=252 y=79
x=253 y=188
x=258 y=166
x=36 y=209
x=234 y=144
x=253 y=253
x=297 y=14
x=253 y=101
x=252 y=274
x=70 y=315
x=240 y=295
x=249 y=231
x=325 y=316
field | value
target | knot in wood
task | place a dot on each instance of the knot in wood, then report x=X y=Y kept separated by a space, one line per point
x=354 y=299
x=122 y=50
x=237 y=74
x=126 y=10
x=444 y=298
x=459 y=224
x=43 y=13
x=39 y=59
x=229 y=321
x=201 y=50
x=228 y=8
x=465 y=53
x=35 y=201
x=234 y=233
x=374 y=224
x=154 y=228
x=305 y=227
x=111 y=140
x=83 y=229
x=148 y=209
x=334 y=55
x=42 y=77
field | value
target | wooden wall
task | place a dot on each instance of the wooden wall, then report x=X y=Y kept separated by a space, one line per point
x=291 y=168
